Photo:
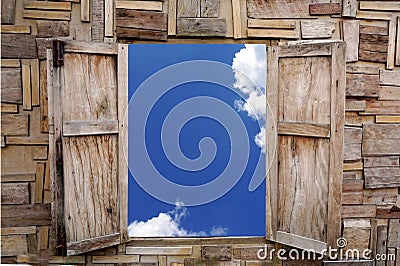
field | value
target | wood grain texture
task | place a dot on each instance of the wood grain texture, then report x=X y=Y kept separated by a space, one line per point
x=15 y=29
x=51 y=15
x=26 y=86
x=381 y=177
x=278 y=9
x=141 y=34
x=352 y=143
x=359 y=211
x=85 y=10
x=25 y=215
x=188 y=8
x=392 y=43
x=13 y=245
x=374 y=30
x=380 y=139
x=217 y=253
x=273 y=33
x=18 y=46
x=397 y=56
x=237 y=19
x=349 y=8
x=9 y=108
x=311 y=29
x=8 y=12
x=209 y=8
x=108 y=18
x=382 y=107
x=140 y=5
x=53 y=28
x=358 y=232
x=11 y=86
x=44 y=124
x=15 y=193
x=391 y=78
x=387 y=118
x=351 y=33
x=14 y=124
x=271 y=24
x=325 y=9
x=304 y=129
x=97 y=20
x=47 y=5
x=380 y=5
x=201 y=27
x=373 y=47
x=362 y=85
x=172 y=13
x=82 y=128
x=28 y=230
x=149 y=20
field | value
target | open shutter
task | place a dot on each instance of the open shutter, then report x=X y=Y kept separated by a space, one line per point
x=89 y=104
x=306 y=95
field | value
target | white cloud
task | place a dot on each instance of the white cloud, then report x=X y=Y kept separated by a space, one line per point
x=249 y=67
x=169 y=224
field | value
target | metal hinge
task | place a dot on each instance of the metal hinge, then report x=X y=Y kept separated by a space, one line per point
x=58 y=53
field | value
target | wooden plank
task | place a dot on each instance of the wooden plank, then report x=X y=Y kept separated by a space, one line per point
x=80 y=247
x=352 y=185
x=313 y=49
x=278 y=9
x=357 y=232
x=139 y=5
x=51 y=15
x=67 y=260
x=374 y=30
x=44 y=126
x=300 y=242
x=30 y=177
x=304 y=129
x=47 y=5
x=108 y=18
x=217 y=252
x=381 y=242
x=179 y=250
x=352 y=143
x=40 y=172
x=362 y=85
x=26 y=86
x=172 y=9
x=394 y=234
x=35 y=82
x=349 y=8
x=85 y=10
x=7 y=12
x=28 y=230
x=188 y=8
x=355 y=104
x=273 y=33
x=18 y=46
x=149 y=20
x=97 y=20
x=43 y=237
x=380 y=5
x=82 y=128
x=11 y=88
x=372 y=56
x=141 y=34
x=90 y=48
x=9 y=108
x=18 y=29
x=391 y=78
x=14 y=124
x=392 y=44
x=382 y=108
x=25 y=215
x=373 y=15
x=387 y=161
x=380 y=196
x=13 y=245
x=209 y=8
x=351 y=37
x=352 y=166
x=40 y=153
x=237 y=20
x=389 y=212
x=10 y=63
x=83 y=33
x=15 y=193
x=271 y=24
x=389 y=93
x=352 y=198
x=201 y=27
x=362 y=69
x=359 y=211
x=325 y=9
x=380 y=139
x=387 y=119
x=27 y=140
x=115 y=259
x=381 y=177
x=397 y=58
x=381 y=132
x=53 y=28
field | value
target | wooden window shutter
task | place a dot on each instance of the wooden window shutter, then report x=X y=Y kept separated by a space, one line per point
x=306 y=95
x=87 y=105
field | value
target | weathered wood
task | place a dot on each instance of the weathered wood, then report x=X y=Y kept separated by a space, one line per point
x=390 y=212
x=52 y=15
x=349 y=8
x=15 y=29
x=381 y=139
x=273 y=33
x=13 y=245
x=44 y=126
x=362 y=85
x=26 y=86
x=389 y=93
x=9 y=108
x=91 y=48
x=39 y=153
x=75 y=248
x=351 y=37
x=381 y=242
x=357 y=232
x=209 y=8
x=352 y=198
x=300 y=242
x=391 y=78
x=83 y=33
x=40 y=172
x=373 y=47
x=82 y=128
x=201 y=27
x=372 y=56
x=352 y=143
x=11 y=88
x=47 y=5
x=247 y=252
x=149 y=20
x=325 y=9
x=139 y=5
x=271 y=24
x=15 y=193
x=355 y=104
x=387 y=119
x=8 y=12
x=53 y=28
x=397 y=57
x=392 y=43
x=188 y=8
x=394 y=234
x=374 y=30
x=237 y=19
x=18 y=46
x=141 y=34
x=278 y=9
x=381 y=177
x=304 y=129
x=97 y=17
x=172 y=9
x=15 y=124
x=380 y=5
x=299 y=50
x=28 y=140
x=372 y=70
x=108 y=18
x=35 y=82
x=85 y=10
x=382 y=108
x=350 y=185
x=28 y=230
x=380 y=196
x=387 y=161
x=372 y=15
x=359 y=211
x=115 y=259
x=18 y=177
x=311 y=29
x=25 y=215
x=43 y=237
x=220 y=253
x=9 y=63
x=183 y=250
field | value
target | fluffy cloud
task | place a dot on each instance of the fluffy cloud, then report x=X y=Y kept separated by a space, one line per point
x=249 y=67
x=168 y=224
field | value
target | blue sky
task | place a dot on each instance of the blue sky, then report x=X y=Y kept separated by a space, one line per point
x=237 y=213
